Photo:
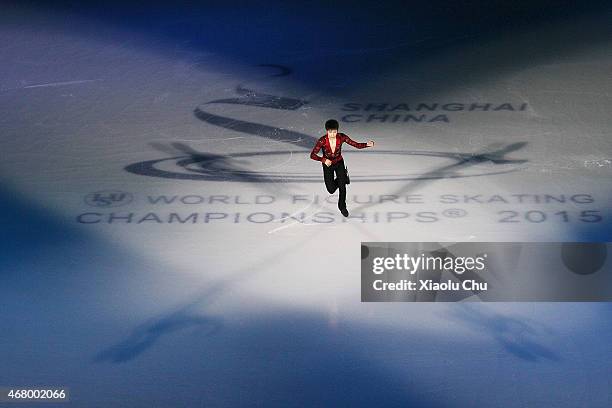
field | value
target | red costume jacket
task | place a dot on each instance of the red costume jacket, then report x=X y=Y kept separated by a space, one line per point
x=336 y=156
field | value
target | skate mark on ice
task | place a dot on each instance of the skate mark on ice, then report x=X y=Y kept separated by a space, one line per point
x=64 y=83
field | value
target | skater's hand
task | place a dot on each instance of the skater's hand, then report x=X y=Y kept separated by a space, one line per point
x=371 y=143
x=327 y=162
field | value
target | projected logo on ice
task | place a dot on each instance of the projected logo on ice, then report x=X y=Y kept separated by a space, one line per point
x=189 y=163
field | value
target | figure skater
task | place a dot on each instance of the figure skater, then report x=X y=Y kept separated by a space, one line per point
x=331 y=143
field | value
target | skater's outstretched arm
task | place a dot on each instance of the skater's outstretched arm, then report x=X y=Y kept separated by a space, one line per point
x=358 y=145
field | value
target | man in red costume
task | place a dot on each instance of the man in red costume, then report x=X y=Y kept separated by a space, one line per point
x=332 y=160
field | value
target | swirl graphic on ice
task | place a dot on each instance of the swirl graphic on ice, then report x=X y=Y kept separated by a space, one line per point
x=185 y=162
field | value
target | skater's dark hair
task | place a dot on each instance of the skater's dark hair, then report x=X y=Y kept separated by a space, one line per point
x=331 y=124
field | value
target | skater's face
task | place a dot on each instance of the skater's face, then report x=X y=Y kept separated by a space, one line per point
x=332 y=132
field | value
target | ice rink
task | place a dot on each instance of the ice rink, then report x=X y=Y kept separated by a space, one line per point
x=168 y=242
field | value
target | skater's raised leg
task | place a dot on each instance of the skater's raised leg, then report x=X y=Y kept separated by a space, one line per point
x=330 y=183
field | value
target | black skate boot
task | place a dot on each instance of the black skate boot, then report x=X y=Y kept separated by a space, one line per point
x=343 y=210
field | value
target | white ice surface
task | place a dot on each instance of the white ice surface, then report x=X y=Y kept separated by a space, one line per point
x=226 y=312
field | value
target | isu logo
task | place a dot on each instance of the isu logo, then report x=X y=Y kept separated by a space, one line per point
x=106 y=199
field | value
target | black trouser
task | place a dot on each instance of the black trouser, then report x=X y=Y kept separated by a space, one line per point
x=340 y=183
